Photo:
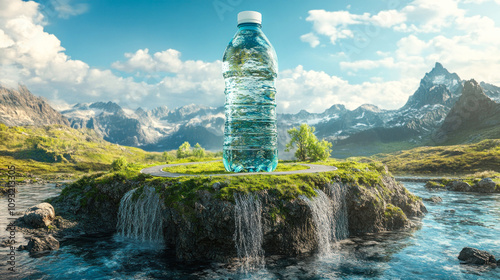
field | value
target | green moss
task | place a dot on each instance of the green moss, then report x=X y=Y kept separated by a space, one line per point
x=218 y=168
x=181 y=193
x=392 y=211
x=278 y=212
x=369 y=174
x=435 y=185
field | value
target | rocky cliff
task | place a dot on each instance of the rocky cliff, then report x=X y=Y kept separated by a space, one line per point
x=288 y=226
x=473 y=111
x=200 y=215
x=21 y=107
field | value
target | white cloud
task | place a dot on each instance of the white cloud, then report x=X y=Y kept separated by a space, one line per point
x=430 y=15
x=422 y=16
x=316 y=91
x=388 y=18
x=480 y=1
x=31 y=56
x=423 y=32
x=387 y=62
x=334 y=24
x=311 y=39
x=63 y=8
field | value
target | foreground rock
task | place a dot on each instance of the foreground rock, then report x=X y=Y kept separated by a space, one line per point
x=434 y=199
x=486 y=185
x=79 y=213
x=40 y=245
x=474 y=256
x=40 y=215
x=458 y=186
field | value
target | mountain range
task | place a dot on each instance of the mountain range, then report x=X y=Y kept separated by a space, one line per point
x=429 y=117
x=20 y=107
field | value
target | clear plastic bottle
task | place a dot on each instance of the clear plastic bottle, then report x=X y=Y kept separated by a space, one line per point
x=250 y=68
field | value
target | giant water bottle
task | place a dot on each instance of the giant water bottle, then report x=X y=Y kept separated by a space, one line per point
x=250 y=67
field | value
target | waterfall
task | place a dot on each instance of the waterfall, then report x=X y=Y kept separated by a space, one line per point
x=248 y=235
x=330 y=217
x=337 y=193
x=140 y=217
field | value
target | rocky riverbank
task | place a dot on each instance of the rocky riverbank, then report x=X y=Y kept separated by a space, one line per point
x=485 y=185
x=199 y=214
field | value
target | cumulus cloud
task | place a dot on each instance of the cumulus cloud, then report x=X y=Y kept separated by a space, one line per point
x=316 y=91
x=164 y=61
x=424 y=31
x=334 y=24
x=423 y=16
x=311 y=39
x=29 y=55
x=63 y=8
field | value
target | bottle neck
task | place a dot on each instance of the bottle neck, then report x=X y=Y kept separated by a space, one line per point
x=249 y=26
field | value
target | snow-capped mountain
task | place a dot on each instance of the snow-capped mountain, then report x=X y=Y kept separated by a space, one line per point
x=164 y=129
x=148 y=129
x=474 y=113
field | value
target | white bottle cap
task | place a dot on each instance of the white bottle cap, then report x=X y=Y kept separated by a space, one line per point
x=249 y=17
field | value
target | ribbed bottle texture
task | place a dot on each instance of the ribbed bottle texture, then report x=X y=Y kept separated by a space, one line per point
x=250 y=68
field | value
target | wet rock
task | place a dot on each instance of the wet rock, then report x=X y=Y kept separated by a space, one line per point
x=458 y=186
x=381 y=208
x=434 y=199
x=486 y=185
x=474 y=256
x=42 y=244
x=40 y=215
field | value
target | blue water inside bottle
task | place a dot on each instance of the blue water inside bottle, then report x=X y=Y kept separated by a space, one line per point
x=250 y=68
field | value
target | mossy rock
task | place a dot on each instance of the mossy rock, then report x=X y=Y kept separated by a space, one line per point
x=434 y=185
x=395 y=218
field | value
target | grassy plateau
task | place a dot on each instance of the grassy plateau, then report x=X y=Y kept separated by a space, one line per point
x=454 y=160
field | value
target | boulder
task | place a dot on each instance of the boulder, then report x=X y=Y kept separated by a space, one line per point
x=458 y=186
x=486 y=185
x=40 y=215
x=42 y=244
x=474 y=256
x=434 y=199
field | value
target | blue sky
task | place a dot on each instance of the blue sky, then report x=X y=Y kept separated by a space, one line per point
x=152 y=53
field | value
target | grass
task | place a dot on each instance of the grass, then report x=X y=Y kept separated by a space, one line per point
x=218 y=168
x=60 y=152
x=457 y=160
x=183 y=191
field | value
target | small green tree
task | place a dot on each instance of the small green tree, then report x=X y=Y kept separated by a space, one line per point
x=184 y=150
x=198 y=151
x=319 y=150
x=308 y=145
x=119 y=164
x=166 y=156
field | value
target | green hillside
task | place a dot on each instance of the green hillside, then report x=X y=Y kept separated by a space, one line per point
x=60 y=149
x=449 y=160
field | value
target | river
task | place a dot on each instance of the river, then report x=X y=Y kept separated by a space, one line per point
x=427 y=252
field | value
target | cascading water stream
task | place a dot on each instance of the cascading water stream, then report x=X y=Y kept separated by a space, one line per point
x=329 y=215
x=248 y=235
x=140 y=217
x=337 y=194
